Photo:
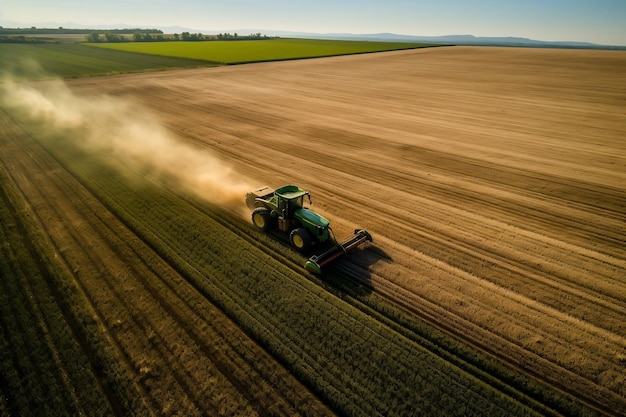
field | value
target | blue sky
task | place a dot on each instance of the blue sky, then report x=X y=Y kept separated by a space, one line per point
x=597 y=21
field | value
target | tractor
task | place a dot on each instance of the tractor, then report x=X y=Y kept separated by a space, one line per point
x=283 y=210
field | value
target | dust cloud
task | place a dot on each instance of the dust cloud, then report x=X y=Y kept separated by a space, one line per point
x=125 y=133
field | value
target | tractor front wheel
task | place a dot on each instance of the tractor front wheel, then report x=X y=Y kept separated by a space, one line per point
x=261 y=218
x=300 y=239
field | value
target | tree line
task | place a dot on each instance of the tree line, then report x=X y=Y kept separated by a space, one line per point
x=35 y=35
x=20 y=35
x=23 y=39
x=65 y=31
x=146 y=36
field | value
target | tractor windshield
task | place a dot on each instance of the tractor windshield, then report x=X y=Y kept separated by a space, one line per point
x=298 y=202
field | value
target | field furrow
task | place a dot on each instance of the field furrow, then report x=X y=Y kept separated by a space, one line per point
x=498 y=201
x=298 y=323
x=491 y=179
x=144 y=313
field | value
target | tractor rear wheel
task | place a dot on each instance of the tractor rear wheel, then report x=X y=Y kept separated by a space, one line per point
x=300 y=239
x=261 y=218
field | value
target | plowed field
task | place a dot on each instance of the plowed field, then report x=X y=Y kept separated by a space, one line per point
x=493 y=181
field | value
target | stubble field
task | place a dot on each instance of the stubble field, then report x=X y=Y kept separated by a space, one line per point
x=493 y=181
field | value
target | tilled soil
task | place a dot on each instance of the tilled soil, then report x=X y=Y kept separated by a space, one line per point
x=492 y=179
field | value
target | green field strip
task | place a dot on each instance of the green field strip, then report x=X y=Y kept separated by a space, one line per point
x=77 y=60
x=72 y=60
x=245 y=51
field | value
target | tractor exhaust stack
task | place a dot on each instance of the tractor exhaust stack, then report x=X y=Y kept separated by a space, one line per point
x=316 y=263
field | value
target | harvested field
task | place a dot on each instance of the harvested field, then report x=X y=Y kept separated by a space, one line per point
x=493 y=181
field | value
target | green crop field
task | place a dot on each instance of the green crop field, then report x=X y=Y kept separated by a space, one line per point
x=237 y=52
x=76 y=60
x=72 y=60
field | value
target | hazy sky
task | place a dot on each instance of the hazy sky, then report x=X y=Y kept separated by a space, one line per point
x=598 y=21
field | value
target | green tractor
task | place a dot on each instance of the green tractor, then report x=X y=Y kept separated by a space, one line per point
x=283 y=210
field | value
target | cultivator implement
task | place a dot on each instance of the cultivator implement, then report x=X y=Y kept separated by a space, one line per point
x=317 y=262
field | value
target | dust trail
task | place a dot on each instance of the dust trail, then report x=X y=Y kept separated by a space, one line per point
x=124 y=131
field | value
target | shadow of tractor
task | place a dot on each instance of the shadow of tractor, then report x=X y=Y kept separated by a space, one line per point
x=349 y=274
x=352 y=274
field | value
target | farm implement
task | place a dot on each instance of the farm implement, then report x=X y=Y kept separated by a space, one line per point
x=282 y=210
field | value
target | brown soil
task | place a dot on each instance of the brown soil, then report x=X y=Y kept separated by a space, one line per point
x=492 y=179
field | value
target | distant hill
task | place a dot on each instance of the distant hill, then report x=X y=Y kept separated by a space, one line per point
x=451 y=40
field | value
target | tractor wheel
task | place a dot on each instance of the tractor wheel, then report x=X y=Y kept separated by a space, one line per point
x=300 y=239
x=261 y=218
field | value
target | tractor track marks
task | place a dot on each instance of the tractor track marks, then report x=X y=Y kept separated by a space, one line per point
x=491 y=183
x=31 y=184
x=486 y=335
x=487 y=339
x=504 y=217
x=36 y=310
x=514 y=356
x=500 y=202
x=117 y=272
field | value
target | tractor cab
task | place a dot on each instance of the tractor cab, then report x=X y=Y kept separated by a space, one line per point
x=291 y=213
x=283 y=209
x=289 y=199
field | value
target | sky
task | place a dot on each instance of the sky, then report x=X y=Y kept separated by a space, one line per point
x=596 y=21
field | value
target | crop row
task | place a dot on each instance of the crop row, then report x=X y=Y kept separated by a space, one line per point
x=358 y=365
x=53 y=360
x=357 y=362
x=183 y=352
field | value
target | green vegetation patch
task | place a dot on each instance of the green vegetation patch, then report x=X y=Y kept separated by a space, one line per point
x=36 y=61
x=238 y=52
x=53 y=360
